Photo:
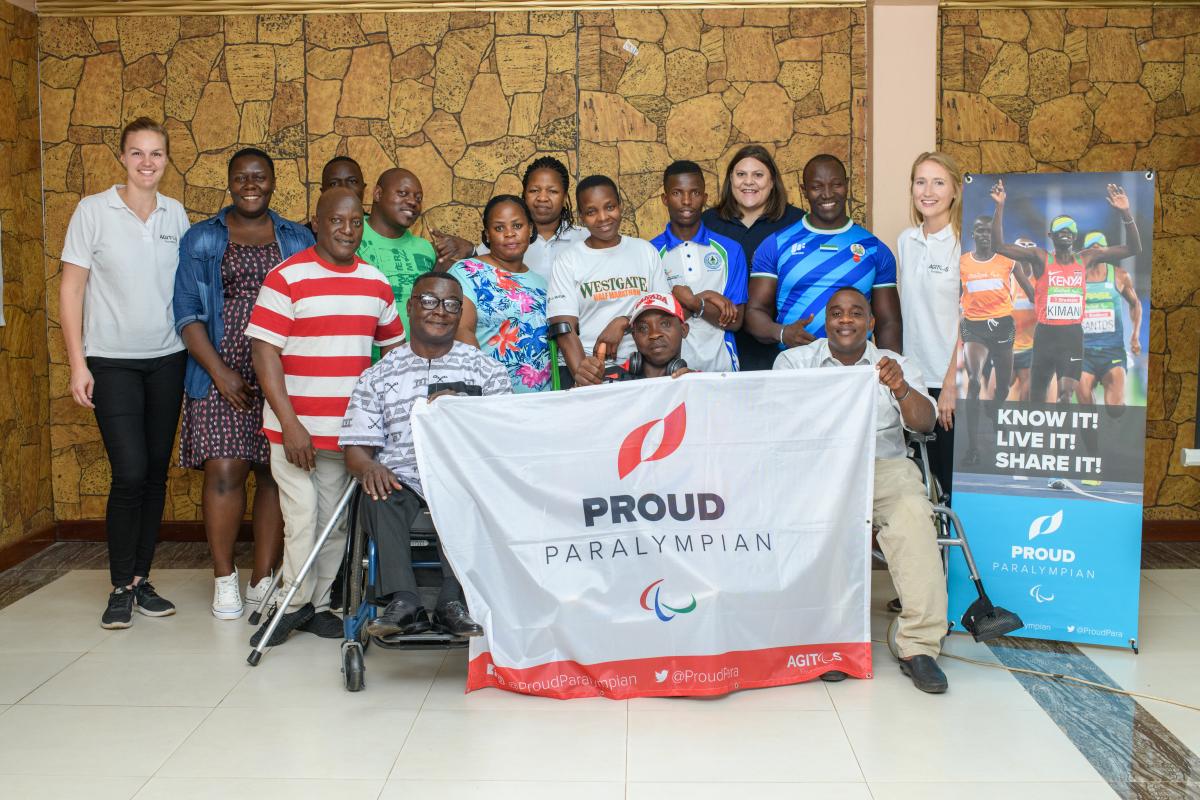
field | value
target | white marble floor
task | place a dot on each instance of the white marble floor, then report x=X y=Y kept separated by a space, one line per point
x=169 y=709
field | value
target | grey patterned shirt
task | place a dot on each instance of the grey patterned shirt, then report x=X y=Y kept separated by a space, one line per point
x=380 y=410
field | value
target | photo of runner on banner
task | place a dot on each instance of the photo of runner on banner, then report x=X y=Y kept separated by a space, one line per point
x=1047 y=390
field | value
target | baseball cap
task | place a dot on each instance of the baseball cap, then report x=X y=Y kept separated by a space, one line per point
x=1062 y=222
x=656 y=301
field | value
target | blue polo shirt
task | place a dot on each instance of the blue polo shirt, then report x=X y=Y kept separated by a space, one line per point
x=811 y=264
x=707 y=262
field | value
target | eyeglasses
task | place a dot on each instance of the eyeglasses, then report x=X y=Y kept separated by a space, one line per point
x=429 y=302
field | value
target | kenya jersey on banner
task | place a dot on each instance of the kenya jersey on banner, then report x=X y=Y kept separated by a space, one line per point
x=686 y=536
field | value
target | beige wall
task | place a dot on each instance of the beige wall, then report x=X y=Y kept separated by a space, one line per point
x=903 y=69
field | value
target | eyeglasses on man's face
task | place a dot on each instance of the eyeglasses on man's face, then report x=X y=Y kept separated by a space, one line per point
x=429 y=302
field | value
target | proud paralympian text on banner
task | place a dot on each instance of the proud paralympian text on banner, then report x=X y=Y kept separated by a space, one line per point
x=687 y=536
x=1049 y=465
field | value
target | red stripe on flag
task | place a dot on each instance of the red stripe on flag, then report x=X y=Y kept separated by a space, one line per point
x=325 y=366
x=674 y=676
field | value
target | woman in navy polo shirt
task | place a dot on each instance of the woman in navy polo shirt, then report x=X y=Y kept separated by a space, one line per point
x=127 y=362
x=753 y=205
x=222 y=263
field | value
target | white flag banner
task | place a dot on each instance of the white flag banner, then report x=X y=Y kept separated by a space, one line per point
x=687 y=536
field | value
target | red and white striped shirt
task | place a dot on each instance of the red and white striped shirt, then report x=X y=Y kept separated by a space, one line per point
x=325 y=318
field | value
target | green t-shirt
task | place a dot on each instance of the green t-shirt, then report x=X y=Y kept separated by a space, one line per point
x=400 y=260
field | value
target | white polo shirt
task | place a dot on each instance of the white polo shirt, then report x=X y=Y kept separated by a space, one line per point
x=707 y=262
x=127 y=303
x=928 y=282
x=540 y=255
x=889 y=423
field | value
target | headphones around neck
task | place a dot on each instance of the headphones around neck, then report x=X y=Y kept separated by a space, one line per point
x=636 y=365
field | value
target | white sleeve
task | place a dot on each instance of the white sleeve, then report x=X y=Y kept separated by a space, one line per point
x=658 y=273
x=82 y=233
x=562 y=298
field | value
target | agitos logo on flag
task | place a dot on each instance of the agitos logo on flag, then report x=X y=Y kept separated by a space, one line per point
x=630 y=454
x=659 y=605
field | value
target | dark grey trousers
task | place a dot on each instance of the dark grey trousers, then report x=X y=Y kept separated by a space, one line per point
x=389 y=522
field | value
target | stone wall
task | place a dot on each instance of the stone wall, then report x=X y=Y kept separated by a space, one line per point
x=219 y=83
x=466 y=100
x=25 y=496
x=1095 y=89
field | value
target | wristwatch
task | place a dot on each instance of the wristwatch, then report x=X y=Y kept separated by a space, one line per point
x=700 y=313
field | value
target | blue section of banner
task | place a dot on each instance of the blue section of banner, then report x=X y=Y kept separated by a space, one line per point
x=1070 y=568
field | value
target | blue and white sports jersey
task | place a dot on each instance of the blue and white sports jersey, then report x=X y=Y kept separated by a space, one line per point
x=810 y=265
x=707 y=262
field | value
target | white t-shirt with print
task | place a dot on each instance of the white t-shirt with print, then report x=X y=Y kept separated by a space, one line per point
x=598 y=285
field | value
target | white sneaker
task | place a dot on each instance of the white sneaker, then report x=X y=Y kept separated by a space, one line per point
x=227 y=599
x=256 y=592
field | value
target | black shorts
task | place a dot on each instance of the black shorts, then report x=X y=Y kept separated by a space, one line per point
x=1099 y=360
x=1058 y=349
x=1023 y=359
x=991 y=333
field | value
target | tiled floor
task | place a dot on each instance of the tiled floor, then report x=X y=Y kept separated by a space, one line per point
x=169 y=709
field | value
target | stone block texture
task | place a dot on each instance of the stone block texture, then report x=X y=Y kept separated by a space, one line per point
x=464 y=100
x=26 y=502
x=218 y=83
x=1093 y=89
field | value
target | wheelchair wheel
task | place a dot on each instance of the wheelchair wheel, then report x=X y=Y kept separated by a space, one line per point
x=356 y=576
x=353 y=668
x=893 y=628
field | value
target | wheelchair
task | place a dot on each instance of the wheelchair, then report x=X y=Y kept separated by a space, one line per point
x=360 y=604
x=982 y=619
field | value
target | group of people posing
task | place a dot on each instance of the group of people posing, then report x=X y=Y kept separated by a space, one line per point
x=297 y=351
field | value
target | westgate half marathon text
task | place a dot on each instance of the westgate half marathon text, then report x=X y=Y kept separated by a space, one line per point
x=1046 y=440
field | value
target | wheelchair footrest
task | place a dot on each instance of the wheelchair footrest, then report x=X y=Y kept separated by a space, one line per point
x=421 y=641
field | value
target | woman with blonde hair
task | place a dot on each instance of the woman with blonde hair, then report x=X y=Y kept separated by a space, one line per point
x=927 y=275
x=127 y=361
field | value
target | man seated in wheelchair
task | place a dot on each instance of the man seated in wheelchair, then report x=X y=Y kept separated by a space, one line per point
x=378 y=442
x=659 y=326
x=902 y=510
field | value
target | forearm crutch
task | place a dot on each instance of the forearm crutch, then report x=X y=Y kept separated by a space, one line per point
x=260 y=648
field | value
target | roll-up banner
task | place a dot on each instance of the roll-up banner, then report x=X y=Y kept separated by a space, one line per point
x=688 y=536
x=1051 y=409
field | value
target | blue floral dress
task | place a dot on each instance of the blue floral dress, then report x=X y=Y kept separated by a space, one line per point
x=510 y=312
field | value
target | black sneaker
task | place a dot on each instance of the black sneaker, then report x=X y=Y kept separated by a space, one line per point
x=149 y=602
x=290 y=622
x=325 y=624
x=119 y=613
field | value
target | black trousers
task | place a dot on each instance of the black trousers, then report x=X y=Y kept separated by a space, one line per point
x=137 y=409
x=941 y=451
x=389 y=522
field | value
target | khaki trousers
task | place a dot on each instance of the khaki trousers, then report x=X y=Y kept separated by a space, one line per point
x=307 y=500
x=909 y=543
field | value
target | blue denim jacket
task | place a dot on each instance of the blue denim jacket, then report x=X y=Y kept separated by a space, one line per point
x=199 y=293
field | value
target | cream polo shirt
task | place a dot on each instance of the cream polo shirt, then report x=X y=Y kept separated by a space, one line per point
x=889 y=424
x=928 y=282
x=127 y=303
